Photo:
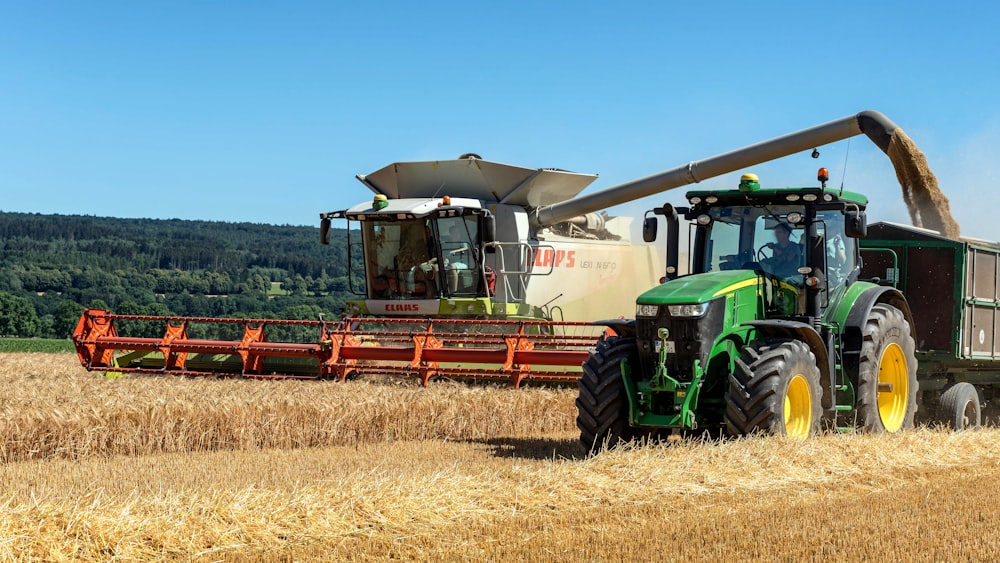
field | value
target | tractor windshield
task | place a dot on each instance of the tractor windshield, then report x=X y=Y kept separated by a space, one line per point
x=424 y=258
x=751 y=237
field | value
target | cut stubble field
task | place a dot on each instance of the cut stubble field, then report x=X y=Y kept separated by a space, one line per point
x=163 y=468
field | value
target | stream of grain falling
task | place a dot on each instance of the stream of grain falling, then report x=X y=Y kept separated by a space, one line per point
x=927 y=205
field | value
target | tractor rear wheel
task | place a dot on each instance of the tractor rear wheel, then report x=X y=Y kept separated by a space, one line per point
x=887 y=372
x=602 y=404
x=960 y=404
x=775 y=389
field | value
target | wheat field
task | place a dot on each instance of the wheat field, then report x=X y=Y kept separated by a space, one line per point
x=144 y=468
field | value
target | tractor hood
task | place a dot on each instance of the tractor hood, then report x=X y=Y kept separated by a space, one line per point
x=698 y=289
x=478 y=179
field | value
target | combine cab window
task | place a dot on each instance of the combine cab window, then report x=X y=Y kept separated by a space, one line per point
x=399 y=260
x=458 y=251
x=426 y=258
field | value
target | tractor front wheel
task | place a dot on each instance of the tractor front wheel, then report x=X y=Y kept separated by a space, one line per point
x=602 y=404
x=887 y=372
x=774 y=389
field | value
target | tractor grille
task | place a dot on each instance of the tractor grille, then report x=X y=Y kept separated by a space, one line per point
x=692 y=338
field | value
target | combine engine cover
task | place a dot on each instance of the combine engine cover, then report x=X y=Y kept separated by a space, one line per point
x=592 y=274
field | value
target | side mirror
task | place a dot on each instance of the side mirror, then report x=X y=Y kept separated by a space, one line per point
x=489 y=230
x=855 y=224
x=324 y=230
x=649 y=225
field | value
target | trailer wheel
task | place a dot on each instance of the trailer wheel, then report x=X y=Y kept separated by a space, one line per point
x=960 y=403
x=602 y=404
x=775 y=389
x=887 y=372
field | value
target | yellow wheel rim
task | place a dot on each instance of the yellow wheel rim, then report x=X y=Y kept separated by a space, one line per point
x=798 y=408
x=893 y=388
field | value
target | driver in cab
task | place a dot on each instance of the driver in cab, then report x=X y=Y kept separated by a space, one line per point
x=786 y=256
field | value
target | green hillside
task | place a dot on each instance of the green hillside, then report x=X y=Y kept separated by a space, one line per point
x=52 y=266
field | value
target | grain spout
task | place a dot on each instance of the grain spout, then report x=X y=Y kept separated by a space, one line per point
x=927 y=205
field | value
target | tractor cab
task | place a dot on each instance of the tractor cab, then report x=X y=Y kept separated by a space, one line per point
x=802 y=241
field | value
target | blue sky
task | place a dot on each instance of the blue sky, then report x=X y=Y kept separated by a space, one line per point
x=265 y=111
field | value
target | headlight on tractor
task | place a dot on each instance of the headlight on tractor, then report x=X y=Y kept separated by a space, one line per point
x=647 y=310
x=688 y=311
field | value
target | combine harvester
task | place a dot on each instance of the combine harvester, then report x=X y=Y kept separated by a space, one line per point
x=473 y=269
x=458 y=285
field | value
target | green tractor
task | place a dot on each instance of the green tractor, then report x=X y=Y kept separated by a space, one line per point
x=772 y=331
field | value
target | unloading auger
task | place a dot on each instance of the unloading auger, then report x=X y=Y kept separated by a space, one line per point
x=473 y=269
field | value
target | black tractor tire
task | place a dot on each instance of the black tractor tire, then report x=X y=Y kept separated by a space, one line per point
x=775 y=389
x=960 y=406
x=602 y=404
x=887 y=373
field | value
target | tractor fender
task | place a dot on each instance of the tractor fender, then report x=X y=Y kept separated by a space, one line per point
x=861 y=309
x=776 y=328
x=620 y=327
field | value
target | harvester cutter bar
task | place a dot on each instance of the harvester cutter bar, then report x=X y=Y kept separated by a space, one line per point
x=488 y=349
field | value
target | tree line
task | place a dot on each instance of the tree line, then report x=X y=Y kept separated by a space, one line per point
x=53 y=266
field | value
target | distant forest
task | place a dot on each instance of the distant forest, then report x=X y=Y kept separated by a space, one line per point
x=52 y=266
